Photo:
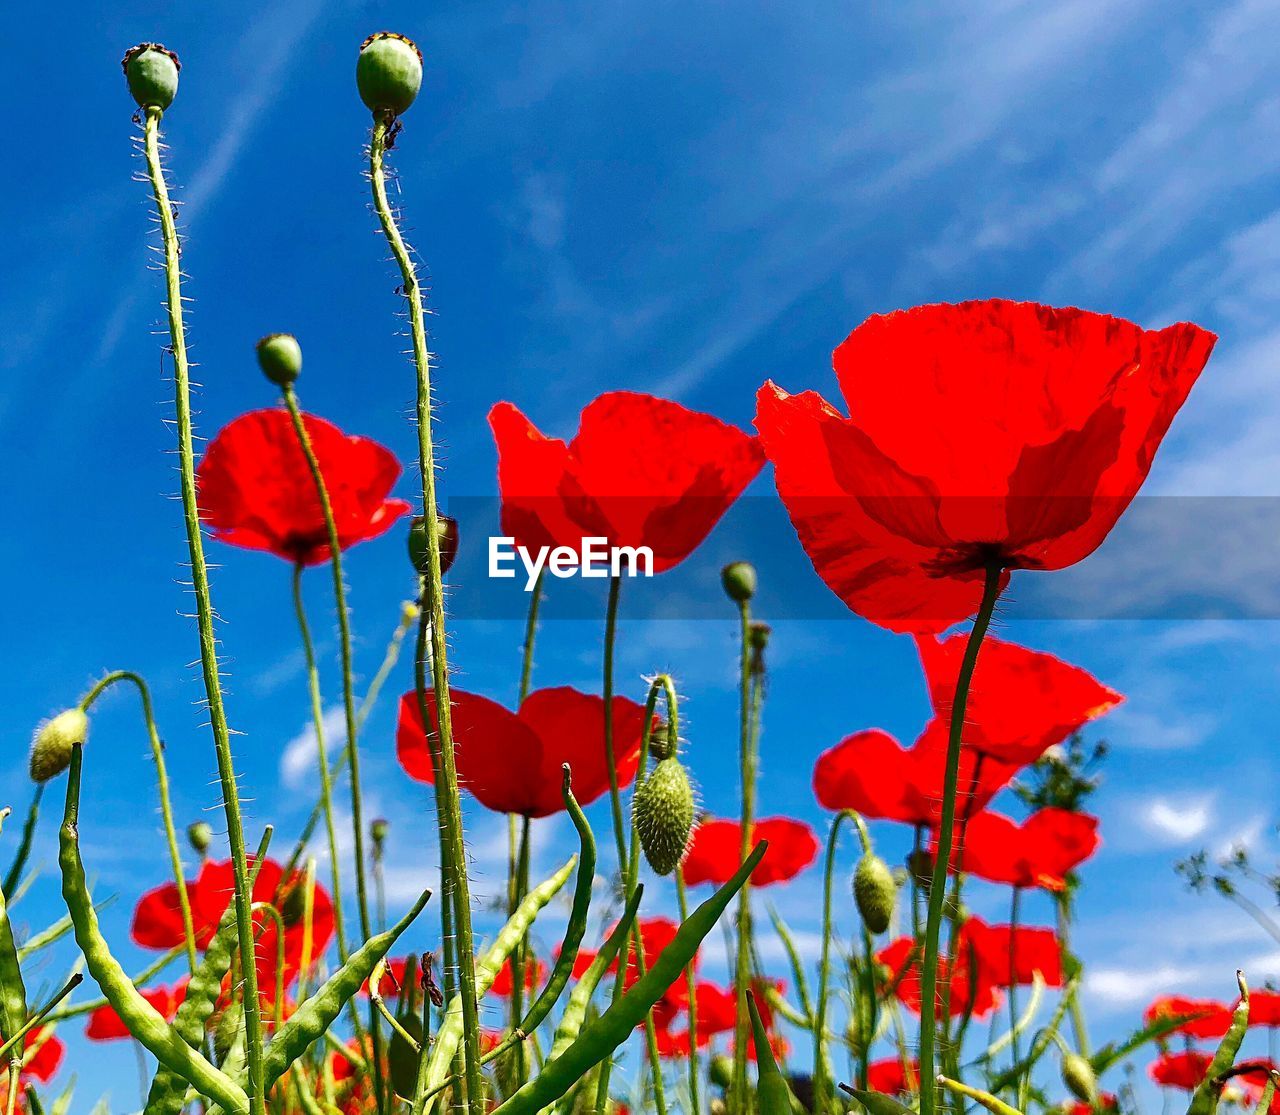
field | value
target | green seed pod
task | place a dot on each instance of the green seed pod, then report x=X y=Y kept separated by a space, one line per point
x=663 y=808
x=403 y=1058
x=292 y=903
x=226 y=1031
x=152 y=73
x=448 y=532
x=721 y=1070
x=739 y=580
x=200 y=836
x=388 y=73
x=280 y=358
x=52 y=744
x=1078 y=1076
x=874 y=892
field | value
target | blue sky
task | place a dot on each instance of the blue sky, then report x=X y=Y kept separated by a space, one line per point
x=673 y=198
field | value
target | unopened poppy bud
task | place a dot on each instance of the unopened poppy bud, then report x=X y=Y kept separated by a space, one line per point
x=293 y=904
x=1078 y=1076
x=447 y=529
x=659 y=748
x=663 y=809
x=758 y=636
x=717 y=1106
x=403 y=1058
x=152 y=73
x=874 y=892
x=739 y=580
x=920 y=866
x=200 y=836
x=54 y=741
x=721 y=1070
x=280 y=358
x=388 y=73
x=379 y=829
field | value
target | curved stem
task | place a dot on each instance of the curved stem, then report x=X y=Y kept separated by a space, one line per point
x=821 y=1072
x=451 y=820
x=692 y=980
x=747 y=775
x=204 y=609
x=166 y=806
x=946 y=831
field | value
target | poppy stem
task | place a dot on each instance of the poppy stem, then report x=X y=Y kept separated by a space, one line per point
x=1015 y=904
x=1079 y=1027
x=821 y=1069
x=692 y=982
x=166 y=805
x=454 y=855
x=615 y=796
x=950 y=1052
x=748 y=711
x=946 y=832
x=518 y=955
x=204 y=608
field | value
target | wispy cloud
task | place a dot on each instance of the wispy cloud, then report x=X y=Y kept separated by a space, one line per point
x=1178 y=822
x=299 y=756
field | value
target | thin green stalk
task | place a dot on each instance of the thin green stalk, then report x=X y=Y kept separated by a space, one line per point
x=1015 y=904
x=326 y=785
x=615 y=795
x=1079 y=1027
x=518 y=955
x=946 y=831
x=951 y=1050
x=739 y=1092
x=451 y=821
x=692 y=981
x=166 y=805
x=821 y=1071
x=204 y=608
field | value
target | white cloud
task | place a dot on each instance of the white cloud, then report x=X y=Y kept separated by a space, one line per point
x=1178 y=822
x=298 y=759
x=1127 y=986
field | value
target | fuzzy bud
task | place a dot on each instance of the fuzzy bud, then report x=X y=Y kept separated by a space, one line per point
x=874 y=892
x=739 y=580
x=659 y=748
x=152 y=73
x=1078 y=1076
x=663 y=810
x=447 y=531
x=280 y=358
x=388 y=73
x=721 y=1070
x=920 y=867
x=54 y=741
x=200 y=836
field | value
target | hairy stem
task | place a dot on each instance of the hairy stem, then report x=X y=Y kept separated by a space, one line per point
x=747 y=774
x=691 y=979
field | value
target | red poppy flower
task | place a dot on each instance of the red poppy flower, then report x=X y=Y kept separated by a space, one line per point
x=714 y=850
x=511 y=762
x=1181 y=1070
x=534 y=973
x=256 y=490
x=656 y=934
x=971 y=990
x=641 y=471
x=1040 y=852
x=717 y=1009
x=106 y=1025
x=43 y=1051
x=890 y=1078
x=1009 y=956
x=1021 y=701
x=1264 y=1008
x=985 y=431
x=872 y=773
x=1107 y=1101
x=1205 y=1018
x=157 y=919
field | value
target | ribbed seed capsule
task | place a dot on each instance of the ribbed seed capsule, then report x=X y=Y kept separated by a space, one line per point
x=663 y=808
x=874 y=892
x=280 y=358
x=53 y=742
x=1078 y=1076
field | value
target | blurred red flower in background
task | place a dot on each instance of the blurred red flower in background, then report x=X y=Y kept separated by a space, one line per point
x=511 y=761
x=641 y=471
x=1040 y=852
x=988 y=431
x=43 y=1051
x=971 y=989
x=1205 y=1018
x=1181 y=1070
x=256 y=491
x=889 y=1077
x=1264 y=1008
x=534 y=973
x=106 y=1025
x=714 y=851
x=1010 y=956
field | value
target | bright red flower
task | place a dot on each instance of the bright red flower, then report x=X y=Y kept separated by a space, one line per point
x=641 y=471
x=656 y=934
x=1264 y=1008
x=985 y=431
x=714 y=850
x=976 y=995
x=534 y=973
x=1009 y=956
x=871 y=772
x=256 y=490
x=1040 y=852
x=157 y=919
x=1206 y=1018
x=1107 y=1101
x=717 y=1009
x=106 y=1025
x=1181 y=1070
x=889 y=1077
x=1021 y=701
x=511 y=762
x=43 y=1051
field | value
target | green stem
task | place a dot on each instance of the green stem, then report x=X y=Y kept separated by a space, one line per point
x=204 y=609
x=1079 y=1027
x=691 y=979
x=326 y=785
x=820 y=1068
x=166 y=805
x=454 y=854
x=747 y=773
x=1015 y=904
x=615 y=794
x=946 y=831
x=518 y=955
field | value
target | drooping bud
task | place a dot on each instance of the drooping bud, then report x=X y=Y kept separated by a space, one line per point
x=52 y=745
x=739 y=581
x=200 y=836
x=280 y=358
x=663 y=808
x=1078 y=1076
x=447 y=530
x=874 y=892
x=920 y=867
x=152 y=73
x=721 y=1070
x=293 y=903
x=404 y=1058
x=388 y=73
x=659 y=747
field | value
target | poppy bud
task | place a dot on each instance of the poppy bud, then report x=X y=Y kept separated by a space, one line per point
x=54 y=741
x=1078 y=1076
x=717 y=1106
x=152 y=73
x=403 y=1058
x=920 y=866
x=721 y=1070
x=280 y=358
x=226 y=1031
x=874 y=892
x=447 y=529
x=200 y=836
x=293 y=904
x=658 y=746
x=739 y=580
x=379 y=829
x=663 y=808
x=388 y=73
